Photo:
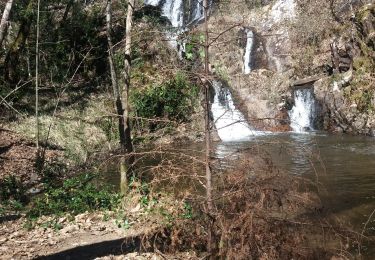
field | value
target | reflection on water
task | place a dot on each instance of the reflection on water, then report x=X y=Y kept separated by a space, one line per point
x=343 y=165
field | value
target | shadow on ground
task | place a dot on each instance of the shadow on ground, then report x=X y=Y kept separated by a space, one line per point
x=91 y=251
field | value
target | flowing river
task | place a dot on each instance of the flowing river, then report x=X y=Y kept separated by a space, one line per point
x=342 y=166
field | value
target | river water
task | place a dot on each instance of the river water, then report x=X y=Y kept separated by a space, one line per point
x=343 y=166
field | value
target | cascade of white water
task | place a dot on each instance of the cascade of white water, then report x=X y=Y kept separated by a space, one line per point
x=303 y=112
x=152 y=2
x=197 y=14
x=248 y=51
x=229 y=121
x=173 y=10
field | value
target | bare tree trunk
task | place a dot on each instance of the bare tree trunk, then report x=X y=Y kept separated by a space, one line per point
x=115 y=86
x=12 y=57
x=37 y=80
x=124 y=167
x=208 y=134
x=4 y=20
x=128 y=147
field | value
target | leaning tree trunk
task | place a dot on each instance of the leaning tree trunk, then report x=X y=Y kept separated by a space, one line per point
x=124 y=164
x=4 y=21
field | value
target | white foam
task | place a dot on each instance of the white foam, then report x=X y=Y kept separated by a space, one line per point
x=229 y=121
x=152 y=2
x=248 y=50
x=303 y=111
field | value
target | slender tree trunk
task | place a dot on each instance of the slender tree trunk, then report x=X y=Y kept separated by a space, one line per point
x=118 y=102
x=37 y=80
x=128 y=147
x=208 y=133
x=12 y=57
x=115 y=86
x=4 y=21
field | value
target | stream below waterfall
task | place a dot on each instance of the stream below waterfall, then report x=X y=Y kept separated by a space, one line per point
x=343 y=165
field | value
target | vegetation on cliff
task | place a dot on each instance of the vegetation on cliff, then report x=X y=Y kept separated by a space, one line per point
x=106 y=87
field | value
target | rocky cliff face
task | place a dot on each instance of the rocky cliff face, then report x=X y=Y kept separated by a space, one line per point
x=264 y=49
x=272 y=44
x=253 y=57
x=348 y=96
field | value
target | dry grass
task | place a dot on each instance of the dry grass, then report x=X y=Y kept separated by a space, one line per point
x=79 y=131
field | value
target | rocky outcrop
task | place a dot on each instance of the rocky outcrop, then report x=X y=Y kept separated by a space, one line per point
x=338 y=114
x=347 y=97
x=260 y=90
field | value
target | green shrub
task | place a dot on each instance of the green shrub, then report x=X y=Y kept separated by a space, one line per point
x=12 y=195
x=11 y=189
x=77 y=195
x=173 y=100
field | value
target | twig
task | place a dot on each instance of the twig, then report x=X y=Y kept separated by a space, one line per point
x=364 y=230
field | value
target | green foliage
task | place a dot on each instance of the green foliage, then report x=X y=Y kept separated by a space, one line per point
x=12 y=189
x=364 y=64
x=187 y=211
x=76 y=196
x=254 y=3
x=173 y=100
x=222 y=72
x=193 y=48
x=52 y=174
x=361 y=91
x=12 y=195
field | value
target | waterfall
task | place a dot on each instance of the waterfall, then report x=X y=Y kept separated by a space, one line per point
x=152 y=2
x=248 y=51
x=198 y=12
x=229 y=121
x=303 y=112
x=173 y=10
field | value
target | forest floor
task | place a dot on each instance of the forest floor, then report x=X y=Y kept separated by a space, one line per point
x=17 y=156
x=88 y=236
x=276 y=207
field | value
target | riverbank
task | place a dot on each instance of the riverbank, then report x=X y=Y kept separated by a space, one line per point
x=257 y=208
